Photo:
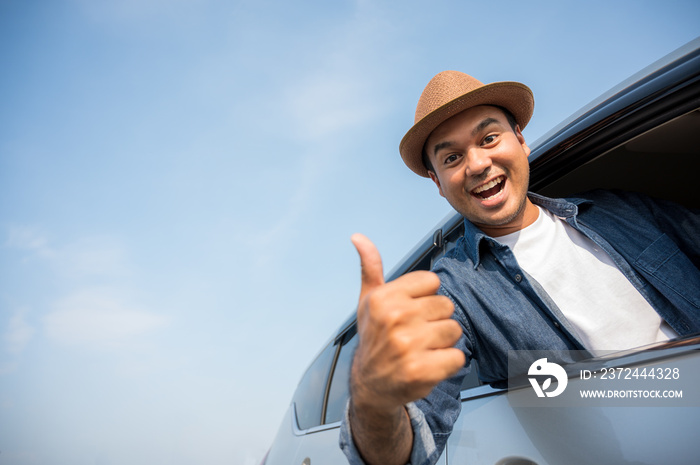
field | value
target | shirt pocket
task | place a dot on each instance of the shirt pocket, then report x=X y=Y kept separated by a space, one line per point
x=668 y=264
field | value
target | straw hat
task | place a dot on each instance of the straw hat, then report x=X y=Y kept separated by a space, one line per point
x=452 y=92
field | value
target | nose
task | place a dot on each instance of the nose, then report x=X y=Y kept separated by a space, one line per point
x=478 y=162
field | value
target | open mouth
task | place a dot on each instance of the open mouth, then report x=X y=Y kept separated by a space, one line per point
x=490 y=189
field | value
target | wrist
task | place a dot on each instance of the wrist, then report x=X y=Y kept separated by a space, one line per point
x=381 y=438
x=373 y=412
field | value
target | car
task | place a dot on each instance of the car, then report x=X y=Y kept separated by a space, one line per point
x=643 y=136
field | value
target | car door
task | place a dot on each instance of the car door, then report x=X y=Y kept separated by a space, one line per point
x=493 y=430
x=320 y=445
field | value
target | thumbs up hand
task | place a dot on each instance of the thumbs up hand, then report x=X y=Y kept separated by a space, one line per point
x=406 y=336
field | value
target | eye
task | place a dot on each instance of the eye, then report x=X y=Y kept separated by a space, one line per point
x=490 y=139
x=451 y=158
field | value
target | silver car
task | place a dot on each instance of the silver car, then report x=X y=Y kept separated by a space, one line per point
x=644 y=136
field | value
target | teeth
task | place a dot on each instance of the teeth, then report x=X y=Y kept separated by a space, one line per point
x=489 y=198
x=488 y=185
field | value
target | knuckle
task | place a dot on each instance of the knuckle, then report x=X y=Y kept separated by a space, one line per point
x=454 y=330
x=461 y=358
x=402 y=342
x=412 y=373
x=389 y=318
x=375 y=302
x=454 y=326
x=374 y=298
x=458 y=359
x=445 y=302
x=442 y=307
x=430 y=279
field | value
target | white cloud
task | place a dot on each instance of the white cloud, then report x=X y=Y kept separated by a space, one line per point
x=325 y=104
x=97 y=310
x=28 y=238
x=18 y=333
x=92 y=256
x=99 y=318
x=346 y=88
x=83 y=257
x=8 y=366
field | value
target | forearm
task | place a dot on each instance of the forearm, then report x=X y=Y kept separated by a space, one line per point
x=406 y=347
x=382 y=439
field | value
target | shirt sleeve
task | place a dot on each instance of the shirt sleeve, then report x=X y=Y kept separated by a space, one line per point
x=432 y=418
x=680 y=223
x=424 y=451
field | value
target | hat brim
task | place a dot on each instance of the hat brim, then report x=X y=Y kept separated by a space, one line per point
x=513 y=96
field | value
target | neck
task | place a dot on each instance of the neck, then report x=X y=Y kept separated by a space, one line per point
x=527 y=215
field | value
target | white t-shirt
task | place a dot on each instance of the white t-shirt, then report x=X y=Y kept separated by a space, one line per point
x=605 y=309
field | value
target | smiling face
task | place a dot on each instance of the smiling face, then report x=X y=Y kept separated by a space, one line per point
x=480 y=166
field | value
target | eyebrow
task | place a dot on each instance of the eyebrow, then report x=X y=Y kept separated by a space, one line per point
x=486 y=122
x=442 y=145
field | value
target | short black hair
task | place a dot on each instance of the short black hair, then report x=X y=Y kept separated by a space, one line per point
x=511 y=121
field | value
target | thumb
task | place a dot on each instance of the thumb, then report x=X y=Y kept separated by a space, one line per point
x=370 y=262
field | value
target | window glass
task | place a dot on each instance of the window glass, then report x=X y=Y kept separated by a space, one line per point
x=308 y=398
x=340 y=383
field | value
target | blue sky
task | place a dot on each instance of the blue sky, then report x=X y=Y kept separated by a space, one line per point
x=179 y=181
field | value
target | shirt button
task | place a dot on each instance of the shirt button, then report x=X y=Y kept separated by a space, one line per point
x=518 y=278
x=556 y=324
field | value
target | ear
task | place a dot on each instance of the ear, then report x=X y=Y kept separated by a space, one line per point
x=521 y=139
x=436 y=180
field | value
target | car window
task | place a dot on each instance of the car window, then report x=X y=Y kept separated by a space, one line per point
x=308 y=398
x=340 y=383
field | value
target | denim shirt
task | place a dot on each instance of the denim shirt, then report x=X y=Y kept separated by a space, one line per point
x=655 y=244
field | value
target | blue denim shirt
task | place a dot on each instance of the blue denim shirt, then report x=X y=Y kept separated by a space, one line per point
x=655 y=244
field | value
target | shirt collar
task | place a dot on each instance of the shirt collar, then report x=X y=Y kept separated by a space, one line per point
x=563 y=208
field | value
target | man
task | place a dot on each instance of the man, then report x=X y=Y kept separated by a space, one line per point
x=605 y=271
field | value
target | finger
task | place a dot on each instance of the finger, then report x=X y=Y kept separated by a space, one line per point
x=433 y=307
x=441 y=334
x=440 y=364
x=433 y=367
x=370 y=263
x=418 y=283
